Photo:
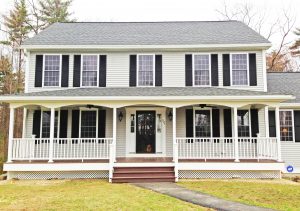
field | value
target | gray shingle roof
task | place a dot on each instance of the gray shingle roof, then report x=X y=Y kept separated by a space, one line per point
x=285 y=83
x=149 y=91
x=147 y=33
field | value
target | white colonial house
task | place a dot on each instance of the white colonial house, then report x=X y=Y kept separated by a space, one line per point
x=153 y=101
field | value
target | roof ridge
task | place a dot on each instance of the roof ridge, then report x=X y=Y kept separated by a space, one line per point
x=151 y=21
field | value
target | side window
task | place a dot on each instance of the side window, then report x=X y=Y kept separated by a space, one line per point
x=52 y=70
x=243 y=123
x=239 y=69
x=145 y=70
x=89 y=68
x=45 y=124
x=286 y=125
x=201 y=71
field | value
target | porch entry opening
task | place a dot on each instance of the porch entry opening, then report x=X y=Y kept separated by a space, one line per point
x=145 y=133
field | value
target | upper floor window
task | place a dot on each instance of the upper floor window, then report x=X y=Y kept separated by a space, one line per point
x=243 y=123
x=90 y=67
x=201 y=70
x=52 y=69
x=286 y=125
x=145 y=70
x=239 y=69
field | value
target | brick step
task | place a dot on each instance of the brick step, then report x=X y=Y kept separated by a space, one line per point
x=142 y=179
x=144 y=173
x=149 y=169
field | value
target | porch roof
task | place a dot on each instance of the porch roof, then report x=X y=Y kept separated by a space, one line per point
x=147 y=93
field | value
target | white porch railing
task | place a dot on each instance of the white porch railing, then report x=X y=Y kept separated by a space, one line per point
x=223 y=148
x=63 y=148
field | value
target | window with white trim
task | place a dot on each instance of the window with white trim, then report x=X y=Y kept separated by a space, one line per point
x=90 y=67
x=243 y=123
x=45 y=126
x=202 y=123
x=286 y=125
x=88 y=124
x=201 y=70
x=239 y=69
x=52 y=69
x=145 y=70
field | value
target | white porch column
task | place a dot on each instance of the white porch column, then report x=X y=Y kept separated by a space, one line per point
x=174 y=131
x=24 y=122
x=51 y=146
x=10 y=134
x=277 y=118
x=267 y=134
x=235 y=136
x=115 y=131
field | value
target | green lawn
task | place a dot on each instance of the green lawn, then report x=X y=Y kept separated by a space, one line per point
x=83 y=195
x=275 y=194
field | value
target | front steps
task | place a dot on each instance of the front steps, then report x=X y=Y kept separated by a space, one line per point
x=143 y=174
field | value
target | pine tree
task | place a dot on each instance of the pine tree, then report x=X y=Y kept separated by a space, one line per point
x=296 y=46
x=53 y=11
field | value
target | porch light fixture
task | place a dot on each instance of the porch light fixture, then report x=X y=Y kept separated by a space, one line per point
x=120 y=116
x=170 y=116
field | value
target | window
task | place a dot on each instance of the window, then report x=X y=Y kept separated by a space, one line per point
x=201 y=70
x=286 y=125
x=145 y=70
x=239 y=69
x=45 y=127
x=88 y=124
x=90 y=67
x=52 y=67
x=243 y=123
x=202 y=123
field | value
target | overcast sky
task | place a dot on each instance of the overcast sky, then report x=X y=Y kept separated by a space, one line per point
x=168 y=10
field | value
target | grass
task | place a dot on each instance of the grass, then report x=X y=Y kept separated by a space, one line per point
x=83 y=195
x=275 y=194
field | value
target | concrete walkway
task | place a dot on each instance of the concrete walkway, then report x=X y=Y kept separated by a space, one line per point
x=205 y=200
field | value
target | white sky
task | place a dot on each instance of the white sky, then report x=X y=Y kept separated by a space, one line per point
x=168 y=10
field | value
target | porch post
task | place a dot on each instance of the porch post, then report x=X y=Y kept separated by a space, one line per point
x=24 y=122
x=114 y=131
x=236 y=143
x=277 y=118
x=51 y=146
x=10 y=133
x=267 y=134
x=175 y=144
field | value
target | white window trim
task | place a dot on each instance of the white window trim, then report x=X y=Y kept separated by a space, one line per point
x=88 y=109
x=58 y=122
x=137 y=69
x=248 y=79
x=293 y=125
x=60 y=67
x=193 y=72
x=250 y=123
x=81 y=69
x=194 y=123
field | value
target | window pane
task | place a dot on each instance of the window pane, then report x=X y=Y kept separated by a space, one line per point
x=243 y=123
x=145 y=68
x=239 y=69
x=88 y=124
x=51 y=70
x=46 y=124
x=89 y=70
x=286 y=125
x=202 y=123
x=201 y=72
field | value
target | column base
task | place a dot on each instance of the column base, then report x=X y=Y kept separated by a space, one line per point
x=237 y=160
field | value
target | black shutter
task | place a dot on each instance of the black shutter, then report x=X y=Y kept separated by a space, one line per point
x=132 y=70
x=272 y=124
x=189 y=123
x=36 y=126
x=158 y=70
x=214 y=70
x=75 y=124
x=216 y=122
x=227 y=123
x=188 y=70
x=101 y=123
x=38 y=71
x=297 y=125
x=226 y=70
x=252 y=69
x=65 y=71
x=77 y=67
x=254 y=122
x=102 y=71
x=63 y=124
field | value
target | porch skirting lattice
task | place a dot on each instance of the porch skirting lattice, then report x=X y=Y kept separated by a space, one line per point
x=58 y=174
x=196 y=174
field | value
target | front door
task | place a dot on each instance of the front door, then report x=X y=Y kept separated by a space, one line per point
x=145 y=132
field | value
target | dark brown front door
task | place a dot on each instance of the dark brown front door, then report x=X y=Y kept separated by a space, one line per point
x=145 y=133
